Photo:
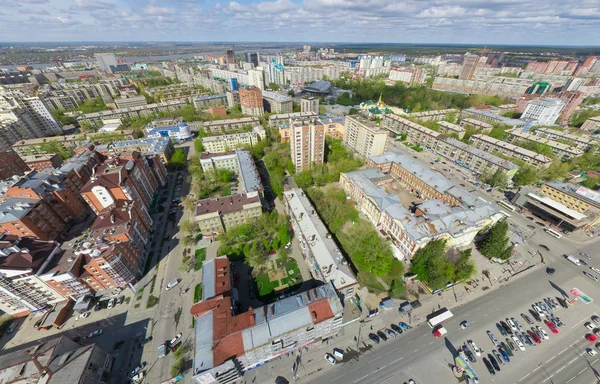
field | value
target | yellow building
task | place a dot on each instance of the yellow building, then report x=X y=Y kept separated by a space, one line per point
x=219 y=215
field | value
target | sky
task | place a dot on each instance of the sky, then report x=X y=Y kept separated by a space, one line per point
x=527 y=22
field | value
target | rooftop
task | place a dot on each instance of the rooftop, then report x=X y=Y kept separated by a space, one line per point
x=174 y=128
x=20 y=254
x=518 y=133
x=468 y=120
x=498 y=161
x=15 y=208
x=513 y=148
x=243 y=120
x=210 y=97
x=250 y=179
x=292 y=115
x=572 y=214
x=224 y=205
x=327 y=255
x=321 y=86
x=499 y=118
x=276 y=96
x=585 y=194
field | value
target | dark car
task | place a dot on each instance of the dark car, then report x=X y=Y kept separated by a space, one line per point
x=98 y=307
x=506 y=347
x=120 y=300
x=504 y=355
x=541 y=224
x=535 y=315
x=404 y=325
x=527 y=318
x=382 y=335
x=469 y=354
x=396 y=328
x=489 y=366
x=531 y=226
x=501 y=329
x=550 y=271
x=374 y=337
x=545 y=248
x=506 y=327
x=494 y=362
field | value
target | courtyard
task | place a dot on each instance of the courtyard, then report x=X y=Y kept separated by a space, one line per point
x=277 y=276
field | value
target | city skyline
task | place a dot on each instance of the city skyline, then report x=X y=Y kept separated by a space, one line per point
x=378 y=21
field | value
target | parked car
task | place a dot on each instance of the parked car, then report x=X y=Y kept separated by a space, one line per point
x=171 y=284
x=591 y=352
x=175 y=340
x=550 y=271
x=374 y=337
x=391 y=333
x=396 y=328
x=465 y=324
x=475 y=347
x=330 y=359
x=489 y=366
x=552 y=326
x=382 y=335
x=590 y=326
x=82 y=315
x=519 y=343
x=469 y=354
x=492 y=360
x=526 y=318
x=504 y=355
x=404 y=326
x=501 y=329
x=512 y=323
x=97 y=332
x=138 y=369
x=591 y=338
x=121 y=299
x=111 y=303
x=11 y=327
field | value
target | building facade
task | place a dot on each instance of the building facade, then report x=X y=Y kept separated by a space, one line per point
x=274 y=102
x=11 y=165
x=490 y=144
x=230 y=125
x=307 y=143
x=543 y=111
x=364 y=137
x=251 y=101
x=225 y=143
x=309 y=104
x=218 y=215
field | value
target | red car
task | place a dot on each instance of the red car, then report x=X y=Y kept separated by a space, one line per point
x=535 y=337
x=591 y=338
x=553 y=327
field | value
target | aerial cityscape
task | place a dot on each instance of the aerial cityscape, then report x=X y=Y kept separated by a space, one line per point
x=286 y=192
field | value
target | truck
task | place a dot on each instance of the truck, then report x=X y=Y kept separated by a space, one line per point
x=439 y=332
x=162 y=350
x=438 y=317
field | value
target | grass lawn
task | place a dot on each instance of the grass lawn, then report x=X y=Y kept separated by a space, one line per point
x=197 y=293
x=199 y=258
x=370 y=282
x=294 y=277
x=265 y=286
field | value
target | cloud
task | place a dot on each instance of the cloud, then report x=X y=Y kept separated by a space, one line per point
x=152 y=10
x=92 y=4
x=34 y=1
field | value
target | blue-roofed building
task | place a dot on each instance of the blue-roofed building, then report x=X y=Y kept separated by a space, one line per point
x=318 y=88
x=178 y=133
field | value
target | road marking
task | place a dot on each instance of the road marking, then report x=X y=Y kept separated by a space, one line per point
x=395 y=349
x=377 y=358
x=580 y=372
x=550 y=359
x=397 y=360
x=572 y=360
x=431 y=343
x=563 y=350
x=524 y=377
x=580 y=322
x=340 y=376
x=561 y=368
x=546 y=379
x=571 y=379
x=594 y=362
x=364 y=377
x=536 y=368
x=383 y=367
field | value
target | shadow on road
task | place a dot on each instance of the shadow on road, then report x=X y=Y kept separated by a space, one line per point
x=451 y=348
x=559 y=289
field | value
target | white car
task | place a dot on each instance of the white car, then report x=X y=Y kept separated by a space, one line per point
x=329 y=357
x=518 y=325
x=590 y=326
x=511 y=324
x=475 y=348
x=175 y=339
x=591 y=352
x=97 y=332
x=519 y=343
x=82 y=315
x=541 y=330
x=111 y=303
x=595 y=269
x=493 y=338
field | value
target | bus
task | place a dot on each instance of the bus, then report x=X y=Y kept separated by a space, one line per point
x=553 y=233
x=505 y=205
x=438 y=317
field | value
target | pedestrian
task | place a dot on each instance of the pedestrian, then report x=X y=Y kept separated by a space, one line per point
x=371 y=327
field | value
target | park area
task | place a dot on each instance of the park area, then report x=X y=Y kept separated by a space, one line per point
x=277 y=276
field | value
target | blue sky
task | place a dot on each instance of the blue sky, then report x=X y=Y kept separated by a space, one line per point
x=548 y=22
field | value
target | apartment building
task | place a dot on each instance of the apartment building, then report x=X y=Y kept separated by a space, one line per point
x=225 y=143
x=284 y=118
x=42 y=161
x=543 y=111
x=562 y=151
x=274 y=102
x=157 y=146
x=122 y=178
x=202 y=103
x=24 y=262
x=490 y=144
x=409 y=76
x=11 y=164
x=251 y=101
x=130 y=102
x=37 y=146
x=492 y=118
x=230 y=125
x=575 y=197
x=229 y=343
x=411 y=228
x=179 y=133
x=67 y=276
x=591 y=125
x=41 y=118
x=309 y=104
x=218 y=215
x=238 y=161
x=455 y=150
x=583 y=142
x=364 y=137
x=476 y=124
x=436 y=115
x=149 y=110
x=451 y=129
x=307 y=143
x=494 y=85
x=57 y=360
x=79 y=168
x=31 y=217
x=325 y=260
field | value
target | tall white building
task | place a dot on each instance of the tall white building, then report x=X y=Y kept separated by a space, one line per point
x=307 y=143
x=543 y=111
x=43 y=120
x=257 y=78
x=105 y=60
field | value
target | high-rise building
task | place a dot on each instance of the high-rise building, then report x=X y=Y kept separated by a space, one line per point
x=309 y=104
x=274 y=102
x=257 y=77
x=543 y=111
x=39 y=118
x=230 y=57
x=470 y=63
x=572 y=100
x=364 y=137
x=252 y=57
x=307 y=143
x=106 y=61
x=251 y=101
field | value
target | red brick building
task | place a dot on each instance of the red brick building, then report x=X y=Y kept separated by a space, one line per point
x=42 y=161
x=11 y=164
x=26 y=217
x=218 y=110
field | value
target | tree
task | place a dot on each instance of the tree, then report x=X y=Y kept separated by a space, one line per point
x=304 y=179
x=591 y=182
x=526 y=175
x=367 y=250
x=291 y=93
x=178 y=160
x=497 y=180
x=274 y=86
x=464 y=267
x=495 y=242
x=255 y=254
x=187 y=227
x=353 y=111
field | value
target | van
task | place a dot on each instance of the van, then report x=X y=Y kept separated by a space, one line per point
x=162 y=350
x=338 y=353
x=574 y=260
x=172 y=283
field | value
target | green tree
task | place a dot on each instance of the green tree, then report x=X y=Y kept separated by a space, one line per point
x=291 y=93
x=255 y=254
x=304 y=179
x=178 y=160
x=495 y=242
x=367 y=250
x=464 y=267
x=198 y=146
x=591 y=182
x=274 y=87
x=497 y=180
x=526 y=175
